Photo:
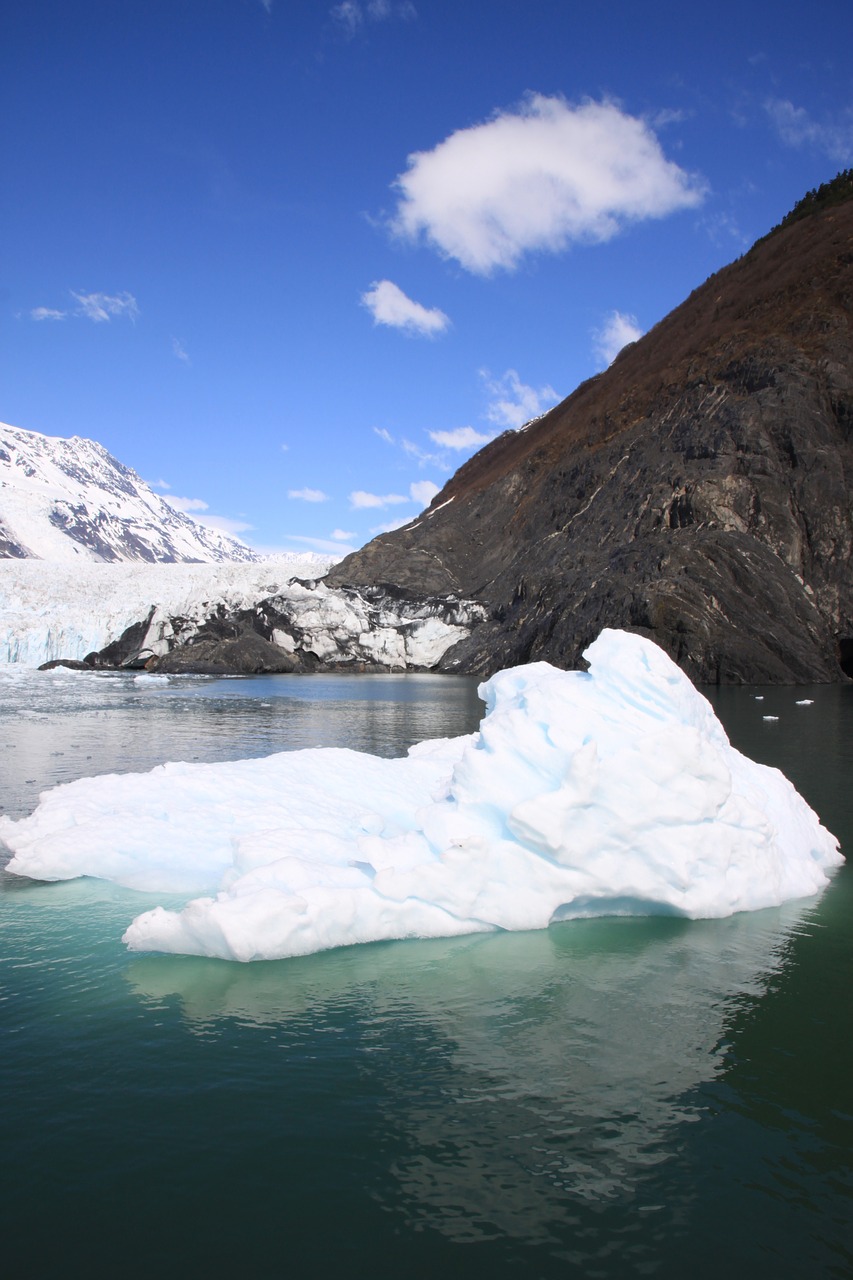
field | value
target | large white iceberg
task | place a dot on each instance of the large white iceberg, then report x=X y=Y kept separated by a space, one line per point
x=611 y=791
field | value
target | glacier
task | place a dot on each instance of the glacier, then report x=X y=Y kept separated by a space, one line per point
x=56 y=610
x=611 y=791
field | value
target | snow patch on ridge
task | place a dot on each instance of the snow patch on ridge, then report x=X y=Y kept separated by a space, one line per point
x=594 y=793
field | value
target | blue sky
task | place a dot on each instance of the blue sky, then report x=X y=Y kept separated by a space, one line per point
x=293 y=261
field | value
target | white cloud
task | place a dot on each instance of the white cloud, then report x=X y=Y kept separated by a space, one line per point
x=388 y=305
x=384 y=435
x=308 y=495
x=460 y=438
x=423 y=492
x=185 y=504
x=616 y=332
x=223 y=524
x=342 y=535
x=361 y=501
x=424 y=459
x=391 y=525
x=158 y=484
x=103 y=306
x=538 y=178
x=316 y=544
x=47 y=313
x=178 y=349
x=193 y=507
x=796 y=128
x=348 y=16
x=267 y=4
x=514 y=402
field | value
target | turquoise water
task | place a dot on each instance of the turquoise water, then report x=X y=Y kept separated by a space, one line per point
x=604 y=1098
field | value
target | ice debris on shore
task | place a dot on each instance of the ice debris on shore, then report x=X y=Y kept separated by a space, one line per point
x=612 y=791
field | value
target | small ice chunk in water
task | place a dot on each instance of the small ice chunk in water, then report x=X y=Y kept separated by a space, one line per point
x=585 y=793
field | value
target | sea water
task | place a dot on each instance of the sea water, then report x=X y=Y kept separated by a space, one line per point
x=602 y=1098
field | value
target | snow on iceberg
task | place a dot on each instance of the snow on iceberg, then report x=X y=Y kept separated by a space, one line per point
x=584 y=793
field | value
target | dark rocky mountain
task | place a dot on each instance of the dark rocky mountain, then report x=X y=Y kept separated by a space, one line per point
x=697 y=492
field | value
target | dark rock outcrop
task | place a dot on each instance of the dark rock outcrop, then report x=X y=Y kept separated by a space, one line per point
x=304 y=628
x=698 y=492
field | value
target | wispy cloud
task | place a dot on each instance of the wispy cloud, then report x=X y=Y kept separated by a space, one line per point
x=348 y=17
x=391 y=525
x=342 y=535
x=538 y=178
x=194 y=507
x=796 y=127
x=460 y=438
x=308 y=495
x=102 y=307
x=267 y=4
x=514 y=402
x=185 y=504
x=360 y=500
x=99 y=307
x=388 y=305
x=384 y=435
x=617 y=331
x=321 y=544
x=179 y=351
x=224 y=524
x=351 y=15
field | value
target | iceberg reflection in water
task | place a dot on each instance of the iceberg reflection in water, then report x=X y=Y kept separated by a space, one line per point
x=518 y=1073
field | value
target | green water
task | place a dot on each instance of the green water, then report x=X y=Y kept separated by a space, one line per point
x=604 y=1098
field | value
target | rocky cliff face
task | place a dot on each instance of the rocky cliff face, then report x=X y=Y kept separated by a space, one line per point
x=698 y=492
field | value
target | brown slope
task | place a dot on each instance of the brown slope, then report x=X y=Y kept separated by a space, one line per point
x=699 y=491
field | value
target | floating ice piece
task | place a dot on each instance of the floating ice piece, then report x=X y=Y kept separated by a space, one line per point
x=805 y=702
x=769 y=717
x=609 y=792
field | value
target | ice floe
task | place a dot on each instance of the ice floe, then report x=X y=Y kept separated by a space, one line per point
x=612 y=791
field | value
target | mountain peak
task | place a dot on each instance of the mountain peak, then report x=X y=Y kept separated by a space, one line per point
x=69 y=500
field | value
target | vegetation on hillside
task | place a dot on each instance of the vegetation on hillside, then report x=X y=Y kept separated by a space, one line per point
x=828 y=194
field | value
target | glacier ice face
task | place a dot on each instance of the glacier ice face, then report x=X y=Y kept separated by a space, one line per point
x=612 y=791
x=50 y=611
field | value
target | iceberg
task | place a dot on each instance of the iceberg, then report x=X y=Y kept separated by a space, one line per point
x=610 y=791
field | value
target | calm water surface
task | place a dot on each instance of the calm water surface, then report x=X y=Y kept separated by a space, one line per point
x=605 y=1098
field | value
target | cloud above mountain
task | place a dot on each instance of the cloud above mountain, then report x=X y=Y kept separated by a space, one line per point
x=388 y=305
x=538 y=179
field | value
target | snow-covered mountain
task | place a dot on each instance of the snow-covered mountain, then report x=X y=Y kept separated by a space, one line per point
x=69 y=501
